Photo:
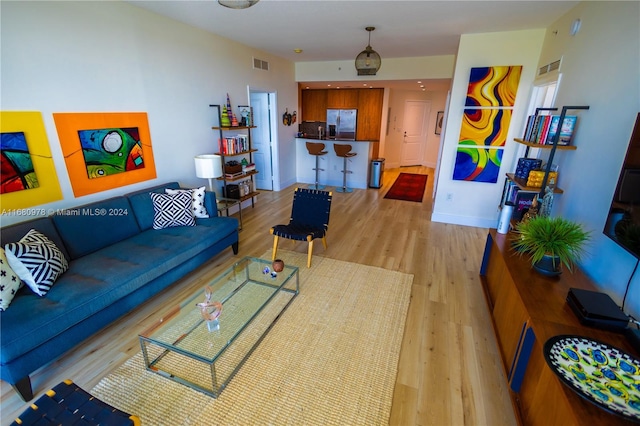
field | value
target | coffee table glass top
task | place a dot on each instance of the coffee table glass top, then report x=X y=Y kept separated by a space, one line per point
x=252 y=298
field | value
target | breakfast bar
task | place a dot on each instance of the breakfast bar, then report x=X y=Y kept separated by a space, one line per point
x=332 y=164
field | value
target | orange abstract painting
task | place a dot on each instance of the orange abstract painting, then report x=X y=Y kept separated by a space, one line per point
x=88 y=142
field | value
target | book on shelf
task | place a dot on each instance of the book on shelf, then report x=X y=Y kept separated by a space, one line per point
x=566 y=130
x=541 y=129
x=233 y=175
x=234 y=145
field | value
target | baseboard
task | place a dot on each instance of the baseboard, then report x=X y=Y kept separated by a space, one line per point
x=477 y=222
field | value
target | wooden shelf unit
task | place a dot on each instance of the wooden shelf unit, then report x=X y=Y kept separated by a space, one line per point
x=245 y=153
x=527 y=309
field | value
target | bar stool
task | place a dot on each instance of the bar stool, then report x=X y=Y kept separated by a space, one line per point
x=317 y=150
x=344 y=151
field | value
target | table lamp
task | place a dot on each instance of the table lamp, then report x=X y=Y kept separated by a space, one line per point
x=208 y=166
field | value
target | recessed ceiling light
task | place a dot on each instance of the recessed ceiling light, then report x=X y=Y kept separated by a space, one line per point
x=419 y=82
x=297 y=50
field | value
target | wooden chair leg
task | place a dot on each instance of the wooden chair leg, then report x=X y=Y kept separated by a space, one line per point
x=275 y=247
x=324 y=242
x=310 y=253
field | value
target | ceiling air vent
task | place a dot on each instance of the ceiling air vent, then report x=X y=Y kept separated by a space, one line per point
x=259 y=64
x=553 y=66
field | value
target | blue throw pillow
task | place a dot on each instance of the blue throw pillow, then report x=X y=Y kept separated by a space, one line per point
x=172 y=210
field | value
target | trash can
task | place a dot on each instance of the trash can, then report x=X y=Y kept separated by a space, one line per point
x=376 y=172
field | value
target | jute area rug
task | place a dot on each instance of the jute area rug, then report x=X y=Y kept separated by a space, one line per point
x=331 y=359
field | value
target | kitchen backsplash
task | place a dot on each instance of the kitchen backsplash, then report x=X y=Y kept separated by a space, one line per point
x=310 y=128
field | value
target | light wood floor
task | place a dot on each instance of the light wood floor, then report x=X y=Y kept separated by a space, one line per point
x=449 y=372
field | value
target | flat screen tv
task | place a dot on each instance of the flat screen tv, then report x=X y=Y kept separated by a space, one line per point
x=623 y=222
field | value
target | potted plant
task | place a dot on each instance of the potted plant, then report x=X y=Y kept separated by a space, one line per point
x=551 y=242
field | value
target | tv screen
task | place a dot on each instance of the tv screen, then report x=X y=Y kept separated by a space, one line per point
x=623 y=222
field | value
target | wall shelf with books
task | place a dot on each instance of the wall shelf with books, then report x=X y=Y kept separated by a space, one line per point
x=537 y=145
x=521 y=188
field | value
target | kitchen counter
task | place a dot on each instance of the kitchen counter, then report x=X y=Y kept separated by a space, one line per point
x=332 y=164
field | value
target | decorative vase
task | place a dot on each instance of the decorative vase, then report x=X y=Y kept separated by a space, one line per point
x=278 y=265
x=549 y=266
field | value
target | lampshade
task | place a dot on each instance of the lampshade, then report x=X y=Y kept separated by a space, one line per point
x=368 y=61
x=237 y=4
x=208 y=166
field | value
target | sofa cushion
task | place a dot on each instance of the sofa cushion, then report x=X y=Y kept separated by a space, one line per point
x=172 y=210
x=143 y=207
x=37 y=261
x=102 y=278
x=10 y=283
x=13 y=233
x=106 y=222
x=197 y=196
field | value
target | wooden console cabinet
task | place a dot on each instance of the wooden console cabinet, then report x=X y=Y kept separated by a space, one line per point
x=527 y=309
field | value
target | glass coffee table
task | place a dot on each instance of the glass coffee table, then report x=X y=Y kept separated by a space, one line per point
x=205 y=354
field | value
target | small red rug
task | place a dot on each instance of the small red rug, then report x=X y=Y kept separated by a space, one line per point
x=408 y=187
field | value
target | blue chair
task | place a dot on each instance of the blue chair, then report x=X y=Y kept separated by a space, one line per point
x=68 y=404
x=309 y=220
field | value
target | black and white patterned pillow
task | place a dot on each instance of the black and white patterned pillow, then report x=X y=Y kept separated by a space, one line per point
x=10 y=282
x=37 y=261
x=197 y=195
x=172 y=210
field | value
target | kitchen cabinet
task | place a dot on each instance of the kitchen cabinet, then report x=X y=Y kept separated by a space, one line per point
x=314 y=105
x=369 y=114
x=315 y=102
x=527 y=309
x=342 y=98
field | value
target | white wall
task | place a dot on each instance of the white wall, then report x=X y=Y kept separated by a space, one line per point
x=600 y=68
x=475 y=203
x=115 y=57
x=424 y=67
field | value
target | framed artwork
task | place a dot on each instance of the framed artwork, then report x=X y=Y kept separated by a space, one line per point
x=477 y=164
x=105 y=150
x=28 y=173
x=485 y=127
x=493 y=86
x=17 y=167
x=439 y=118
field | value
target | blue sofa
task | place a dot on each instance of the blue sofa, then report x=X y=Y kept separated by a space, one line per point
x=117 y=261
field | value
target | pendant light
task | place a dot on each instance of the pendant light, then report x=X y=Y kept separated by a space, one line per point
x=237 y=4
x=368 y=61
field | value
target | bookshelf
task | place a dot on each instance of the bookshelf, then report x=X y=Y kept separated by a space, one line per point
x=234 y=142
x=516 y=188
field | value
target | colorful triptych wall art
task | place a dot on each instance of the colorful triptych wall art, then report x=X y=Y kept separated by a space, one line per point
x=491 y=95
x=105 y=150
x=28 y=174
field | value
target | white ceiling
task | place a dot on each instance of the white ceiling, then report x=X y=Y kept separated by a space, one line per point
x=328 y=30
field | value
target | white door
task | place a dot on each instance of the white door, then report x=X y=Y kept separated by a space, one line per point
x=261 y=138
x=415 y=125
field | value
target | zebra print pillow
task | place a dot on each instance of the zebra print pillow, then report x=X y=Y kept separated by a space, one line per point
x=37 y=261
x=172 y=210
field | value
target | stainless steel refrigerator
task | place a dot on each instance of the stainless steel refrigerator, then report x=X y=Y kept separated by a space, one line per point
x=341 y=124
